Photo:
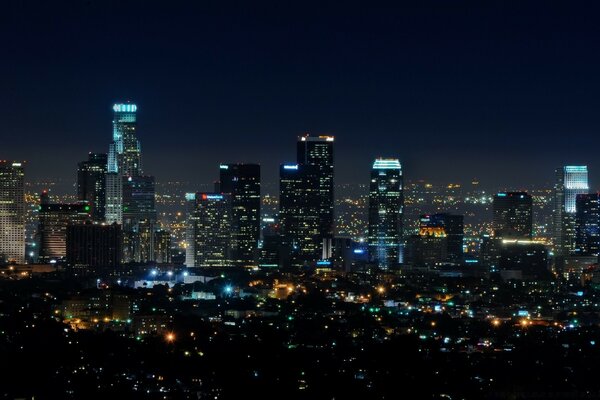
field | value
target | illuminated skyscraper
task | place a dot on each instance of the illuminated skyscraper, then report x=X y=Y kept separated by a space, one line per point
x=124 y=159
x=512 y=215
x=242 y=182
x=587 y=222
x=125 y=154
x=210 y=224
x=386 y=203
x=91 y=183
x=12 y=212
x=300 y=211
x=318 y=151
x=570 y=181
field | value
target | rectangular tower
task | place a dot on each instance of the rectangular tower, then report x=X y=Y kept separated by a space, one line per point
x=12 y=212
x=571 y=180
x=513 y=217
x=386 y=203
x=318 y=151
x=242 y=183
x=300 y=212
x=210 y=229
x=91 y=183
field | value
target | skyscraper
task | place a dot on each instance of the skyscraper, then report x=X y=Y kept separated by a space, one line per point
x=386 y=203
x=139 y=218
x=513 y=215
x=210 y=224
x=242 y=182
x=125 y=154
x=124 y=159
x=570 y=181
x=12 y=212
x=91 y=183
x=448 y=226
x=318 y=151
x=587 y=224
x=54 y=218
x=300 y=212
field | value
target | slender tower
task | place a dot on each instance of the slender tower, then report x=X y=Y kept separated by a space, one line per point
x=386 y=202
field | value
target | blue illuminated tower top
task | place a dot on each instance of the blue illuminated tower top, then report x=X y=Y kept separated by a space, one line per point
x=125 y=152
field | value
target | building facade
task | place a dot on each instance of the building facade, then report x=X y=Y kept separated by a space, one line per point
x=12 y=212
x=386 y=208
x=91 y=183
x=571 y=181
x=242 y=183
x=513 y=216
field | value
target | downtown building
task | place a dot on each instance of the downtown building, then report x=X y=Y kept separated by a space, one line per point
x=513 y=216
x=587 y=225
x=54 y=219
x=306 y=201
x=299 y=214
x=208 y=231
x=12 y=212
x=440 y=240
x=571 y=181
x=386 y=209
x=91 y=183
x=242 y=183
x=130 y=195
x=94 y=245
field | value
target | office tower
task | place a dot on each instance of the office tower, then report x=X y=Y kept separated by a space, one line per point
x=447 y=226
x=54 y=218
x=94 y=245
x=242 y=183
x=210 y=223
x=386 y=203
x=162 y=246
x=91 y=183
x=570 y=181
x=318 y=151
x=124 y=159
x=190 y=229
x=139 y=218
x=587 y=222
x=125 y=155
x=513 y=215
x=271 y=248
x=12 y=212
x=300 y=212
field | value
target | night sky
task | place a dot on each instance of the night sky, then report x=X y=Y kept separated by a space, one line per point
x=501 y=91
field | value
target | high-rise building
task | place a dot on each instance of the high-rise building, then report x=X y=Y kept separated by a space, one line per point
x=124 y=159
x=300 y=212
x=571 y=180
x=91 y=183
x=12 y=212
x=139 y=218
x=162 y=246
x=386 y=204
x=587 y=222
x=318 y=151
x=54 y=219
x=242 y=183
x=448 y=226
x=513 y=215
x=190 y=229
x=94 y=245
x=209 y=227
x=125 y=154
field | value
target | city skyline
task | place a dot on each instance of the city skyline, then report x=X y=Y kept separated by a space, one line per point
x=461 y=85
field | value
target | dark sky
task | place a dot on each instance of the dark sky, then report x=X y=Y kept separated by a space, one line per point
x=503 y=91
